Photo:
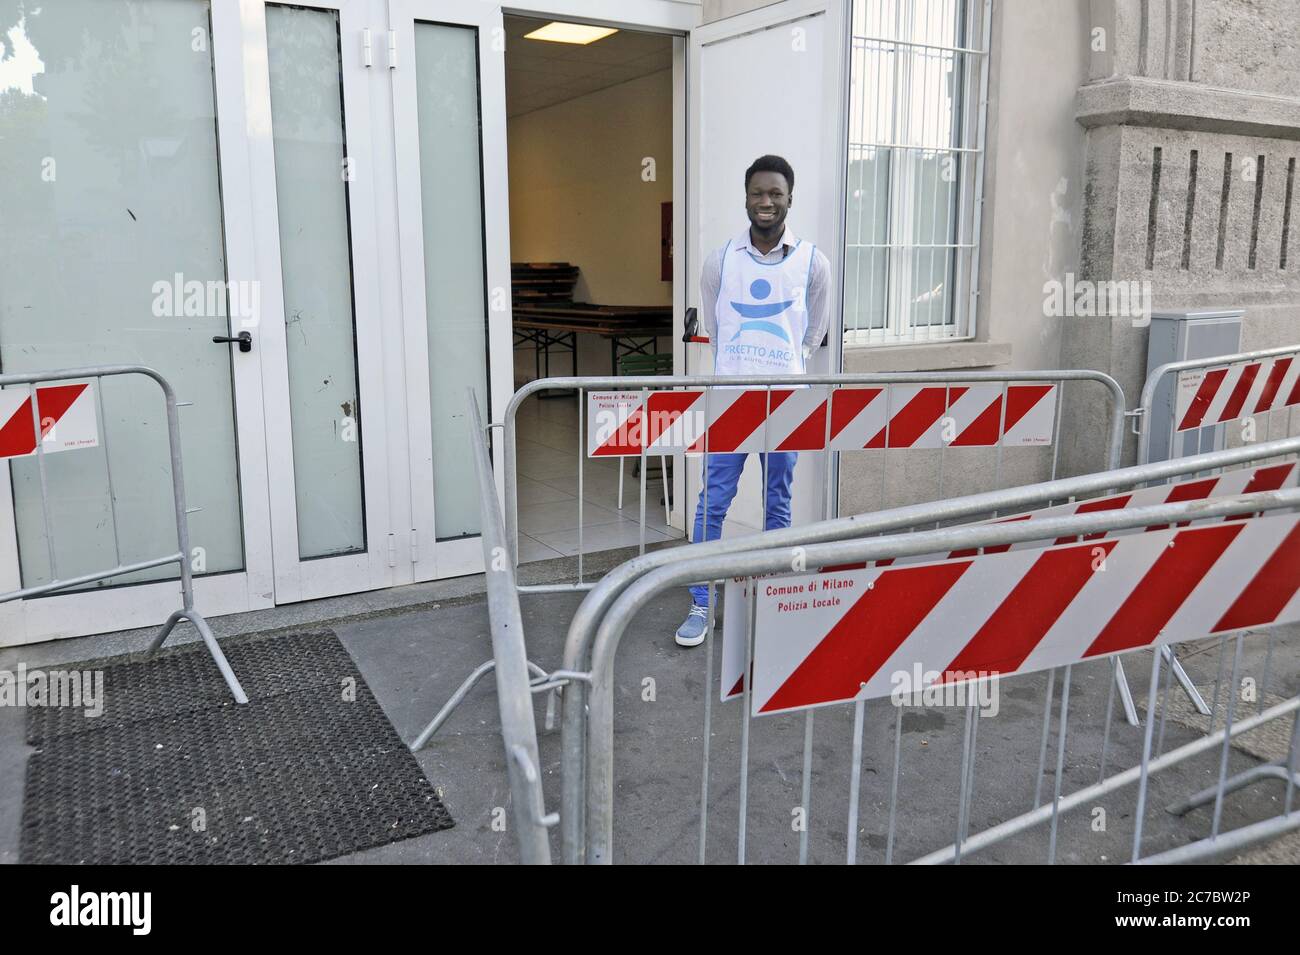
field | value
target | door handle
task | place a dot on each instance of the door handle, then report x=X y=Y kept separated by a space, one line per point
x=244 y=340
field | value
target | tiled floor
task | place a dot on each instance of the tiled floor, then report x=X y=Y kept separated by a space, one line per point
x=547 y=446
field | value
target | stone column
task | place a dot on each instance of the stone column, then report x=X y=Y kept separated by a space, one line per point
x=1193 y=131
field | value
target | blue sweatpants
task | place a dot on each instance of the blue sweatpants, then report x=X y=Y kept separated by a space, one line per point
x=722 y=474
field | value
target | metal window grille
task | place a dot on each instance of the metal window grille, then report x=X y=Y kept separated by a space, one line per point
x=917 y=91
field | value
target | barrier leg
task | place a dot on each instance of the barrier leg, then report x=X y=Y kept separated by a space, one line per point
x=744 y=726
x=1062 y=725
x=449 y=707
x=708 y=725
x=1278 y=769
x=1042 y=746
x=1275 y=770
x=1105 y=733
x=805 y=797
x=855 y=784
x=1186 y=683
x=227 y=674
x=482 y=670
x=970 y=778
x=965 y=775
x=1164 y=703
x=1227 y=739
x=1291 y=762
x=1263 y=680
x=170 y=625
x=1144 y=775
x=1118 y=684
x=893 y=785
x=1125 y=694
x=1218 y=681
x=219 y=658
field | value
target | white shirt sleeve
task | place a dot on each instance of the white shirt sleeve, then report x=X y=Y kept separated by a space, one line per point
x=710 y=285
x=819 y=300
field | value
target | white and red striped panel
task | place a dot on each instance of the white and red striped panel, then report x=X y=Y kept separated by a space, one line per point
x=854 y=634
x=1270 y=477
x=620 y=424
x=68 y=419
x=1208 y=396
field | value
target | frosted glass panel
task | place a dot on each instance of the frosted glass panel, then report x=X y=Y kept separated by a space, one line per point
x=315 y=261
x=111 y=252
x=451 y=193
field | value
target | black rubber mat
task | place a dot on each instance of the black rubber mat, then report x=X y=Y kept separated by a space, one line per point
x=175 y=772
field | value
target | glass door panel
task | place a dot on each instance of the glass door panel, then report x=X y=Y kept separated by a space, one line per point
x=451 y=194
x=111 y=252
x=311 y=173
x=118 y=246
x=321 y=339
x=449 y=114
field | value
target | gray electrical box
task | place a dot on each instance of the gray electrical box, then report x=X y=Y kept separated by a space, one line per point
x=1179 y=336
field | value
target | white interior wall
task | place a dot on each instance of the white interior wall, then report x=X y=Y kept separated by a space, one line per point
x=579 y=193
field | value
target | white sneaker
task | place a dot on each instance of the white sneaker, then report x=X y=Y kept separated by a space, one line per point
x=694 y=628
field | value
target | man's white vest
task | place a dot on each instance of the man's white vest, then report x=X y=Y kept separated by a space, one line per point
x=762 y=313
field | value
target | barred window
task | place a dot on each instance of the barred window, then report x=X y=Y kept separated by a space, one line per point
x=918 y=75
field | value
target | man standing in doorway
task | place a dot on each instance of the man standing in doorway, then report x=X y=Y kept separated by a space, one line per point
x=765 y=306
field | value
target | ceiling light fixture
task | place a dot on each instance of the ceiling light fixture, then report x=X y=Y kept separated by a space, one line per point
x=581 y=33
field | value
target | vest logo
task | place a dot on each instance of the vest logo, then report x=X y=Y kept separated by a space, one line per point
x=761 y=289
x=131 y=909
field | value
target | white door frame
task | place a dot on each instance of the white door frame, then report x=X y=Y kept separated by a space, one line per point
x=650 y=16
x=141 y=605
x=297 y=579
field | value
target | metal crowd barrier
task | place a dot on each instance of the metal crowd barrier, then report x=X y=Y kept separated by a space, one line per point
x=1210 y=393
x=601 y=621
x=609 y=586
x=1204 y=396
x=1112 y=443
x=180 y=557
x=1111 y=426
x=510 y=661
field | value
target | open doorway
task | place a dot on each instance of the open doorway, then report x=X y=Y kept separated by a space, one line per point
x=590 y=143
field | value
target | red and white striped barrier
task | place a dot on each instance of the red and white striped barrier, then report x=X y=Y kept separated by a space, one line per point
x=67 y=419
x=1272 y=477
x=623 y=424
x=1208 y=396
x=832 y=637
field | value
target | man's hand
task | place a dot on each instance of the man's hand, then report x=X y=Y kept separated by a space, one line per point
x=807 y=352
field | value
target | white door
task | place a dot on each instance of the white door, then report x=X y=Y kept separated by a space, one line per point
x=329 y=175
x=127 y=240
x=448 y=89
x=769 y=81
x=309 y=78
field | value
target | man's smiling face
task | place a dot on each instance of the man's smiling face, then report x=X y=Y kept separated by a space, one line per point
x=767 y=201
